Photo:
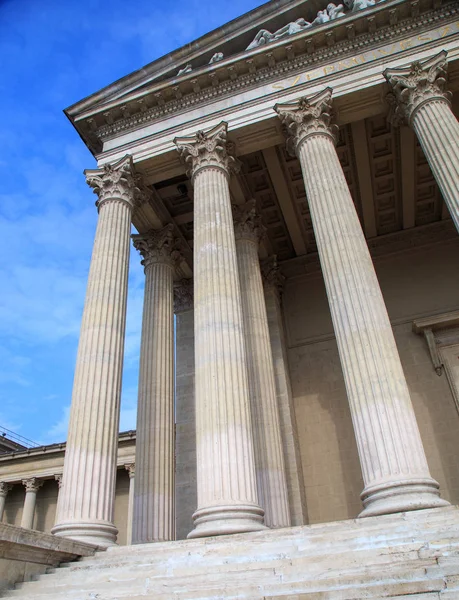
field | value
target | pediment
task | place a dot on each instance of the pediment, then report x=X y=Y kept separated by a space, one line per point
x=231 y=40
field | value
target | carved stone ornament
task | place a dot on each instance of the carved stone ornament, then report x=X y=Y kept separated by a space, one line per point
x=5 y=488
x=159 y=246
x=33 y=484
x=183 y=295
x=117 y=182
x=415 y=85
x=60 y=479
x=305 y=117
x=186 y=69
x=247 y=222
x=330 y=13
x=207 y=149
x=130 y=468
x=271 y=274
x=217 y=57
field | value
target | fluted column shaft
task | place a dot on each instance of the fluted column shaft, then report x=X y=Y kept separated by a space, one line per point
x=154 y=497
x=392 y=457
x=28 y=512
x=4 y=489
x=421 y=100
x=272 y=284
x=437 y=130
x=227 y=495
x=269 y=457
x=86 y=499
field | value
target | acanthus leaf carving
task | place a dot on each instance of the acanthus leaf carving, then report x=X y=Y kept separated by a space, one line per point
x=305 y=117
x=159 y=246
x=5 y=488
x=183 y=295
x=130 y=468
x=33 y=484
x=247 y=222
x=271 y=274
x=117 y=181
x=207 y=149
x=413 y=86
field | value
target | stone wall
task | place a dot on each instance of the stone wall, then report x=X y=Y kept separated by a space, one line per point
x=418 y=282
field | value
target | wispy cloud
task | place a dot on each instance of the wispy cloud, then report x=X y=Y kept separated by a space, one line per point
x=53 y=54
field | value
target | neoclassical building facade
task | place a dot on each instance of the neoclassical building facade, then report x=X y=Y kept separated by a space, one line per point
x=293 y=182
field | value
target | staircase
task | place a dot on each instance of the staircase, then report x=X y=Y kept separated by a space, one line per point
x=412 y=555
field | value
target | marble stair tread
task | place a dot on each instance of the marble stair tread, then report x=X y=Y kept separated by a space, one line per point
x=405 y=555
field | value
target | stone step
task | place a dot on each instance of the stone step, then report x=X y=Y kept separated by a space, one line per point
x=413 y=555
x=312 y=565
x=359 y=584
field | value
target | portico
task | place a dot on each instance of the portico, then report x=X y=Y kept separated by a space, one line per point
x=323 y=141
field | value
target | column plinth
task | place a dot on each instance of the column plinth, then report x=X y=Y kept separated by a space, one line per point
x=420 y=99
x=32 y=486
x=392 y=457
x=269 y=457
x=4 y=489
x=227 y=494
x=154 y=497
x=86 y=498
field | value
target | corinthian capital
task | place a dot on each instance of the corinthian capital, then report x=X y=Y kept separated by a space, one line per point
x=305 y=117
x=117 y=182
x=207 y=149
x=271 y=274
x=5 y=488
x=33 y=484
x=159 y=246
x=183 y=295
x=247 y=222
x=415 y=85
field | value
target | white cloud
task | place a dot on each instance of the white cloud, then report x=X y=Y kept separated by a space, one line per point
x=58 y=431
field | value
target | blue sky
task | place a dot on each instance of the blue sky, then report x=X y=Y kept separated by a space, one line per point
x=54 y=53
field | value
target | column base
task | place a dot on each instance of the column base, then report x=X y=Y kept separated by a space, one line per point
x=401 y=496
x=102 y=533
x=226 y=520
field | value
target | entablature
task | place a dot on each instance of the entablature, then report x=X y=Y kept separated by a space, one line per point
x=318 y=53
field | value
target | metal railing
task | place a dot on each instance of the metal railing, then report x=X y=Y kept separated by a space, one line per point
x=15 y=437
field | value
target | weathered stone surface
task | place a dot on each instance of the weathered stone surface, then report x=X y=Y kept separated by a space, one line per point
x=269 y=457
x=87 y=495
x=422 y=100
x=24 y=554
x=379 y=557
x=394 y=466
x=227 y=495
x=154 y=492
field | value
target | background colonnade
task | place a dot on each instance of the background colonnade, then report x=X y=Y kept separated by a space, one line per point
x=242 y=476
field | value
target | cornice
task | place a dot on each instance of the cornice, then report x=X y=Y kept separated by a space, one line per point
x=371 y=27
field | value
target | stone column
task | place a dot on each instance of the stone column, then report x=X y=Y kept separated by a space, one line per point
x=86 y=503
x=130 y=468
x=185 y=421
x=4 y=489
x=420 y=99
x=273 y=281
x=227 y=494
x=392 y=457
x=32 y=486
x=269 y=457
x=154 y=497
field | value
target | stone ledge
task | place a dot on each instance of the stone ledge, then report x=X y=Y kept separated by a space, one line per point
x=25 y=554
x=17 y=543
